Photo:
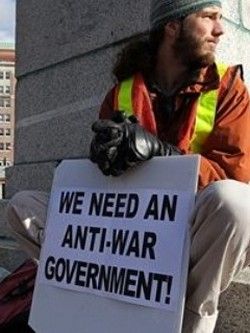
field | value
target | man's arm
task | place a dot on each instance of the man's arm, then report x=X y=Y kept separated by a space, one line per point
x=227 y=150
x=107 y=107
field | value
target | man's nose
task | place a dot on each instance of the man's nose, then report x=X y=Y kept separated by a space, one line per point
x=218 y=28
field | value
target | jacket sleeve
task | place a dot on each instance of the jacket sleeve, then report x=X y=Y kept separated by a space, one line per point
x=227 y=150
x=107 y=107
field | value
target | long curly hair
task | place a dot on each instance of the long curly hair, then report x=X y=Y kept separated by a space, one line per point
x=138 y=56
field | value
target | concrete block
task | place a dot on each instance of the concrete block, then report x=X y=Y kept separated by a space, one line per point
x=65 y=136
x=67 y=83
x=49 y=32
x=59 y=112
x=245 y=10
x=29 y=177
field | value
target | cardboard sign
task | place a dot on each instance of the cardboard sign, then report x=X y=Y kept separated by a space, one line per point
x=117 y=243
x=116 y=246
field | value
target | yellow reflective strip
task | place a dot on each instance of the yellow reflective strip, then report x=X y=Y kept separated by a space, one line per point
x=221 y=68
x=125 y=97
x=204 y=119
x=205 y=115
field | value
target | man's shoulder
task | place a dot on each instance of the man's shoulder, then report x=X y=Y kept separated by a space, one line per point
x=220 y=74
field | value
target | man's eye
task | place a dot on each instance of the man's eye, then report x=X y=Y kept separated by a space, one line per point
x=213 y=17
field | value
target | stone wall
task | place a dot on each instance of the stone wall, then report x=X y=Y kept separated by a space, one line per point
x=65 y=52
x=235 y=44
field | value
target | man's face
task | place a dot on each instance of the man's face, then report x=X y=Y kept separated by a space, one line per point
x=198 y=37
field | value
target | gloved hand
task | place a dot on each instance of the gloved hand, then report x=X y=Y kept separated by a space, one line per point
x=121 y=143
x=139 y=144
x=106 y=146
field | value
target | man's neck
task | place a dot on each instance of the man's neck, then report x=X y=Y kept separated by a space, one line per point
x=170 y=78
x=170 y=74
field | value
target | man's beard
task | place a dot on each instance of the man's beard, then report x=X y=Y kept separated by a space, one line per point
x=189 y=50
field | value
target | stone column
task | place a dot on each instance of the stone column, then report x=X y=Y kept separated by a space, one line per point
x=65 y=51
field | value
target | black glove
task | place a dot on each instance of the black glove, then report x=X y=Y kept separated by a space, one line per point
x=140 y=145
x=121 y=143
x=104 y=146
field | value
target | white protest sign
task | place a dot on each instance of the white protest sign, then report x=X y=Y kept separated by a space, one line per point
x=117 y=243
x=115 y=246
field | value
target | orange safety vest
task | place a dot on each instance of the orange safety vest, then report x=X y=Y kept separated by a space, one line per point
x=127 y=101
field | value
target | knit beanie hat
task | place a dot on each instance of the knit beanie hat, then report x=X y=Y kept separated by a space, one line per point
x=163 y=11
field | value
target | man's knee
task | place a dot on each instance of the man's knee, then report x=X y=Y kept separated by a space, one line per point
x=16 y=203
x=19 y=198
x=229 y=201
x=25 y=204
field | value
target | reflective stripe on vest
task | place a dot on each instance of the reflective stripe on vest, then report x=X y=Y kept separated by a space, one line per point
x=205 y=115
x=125 y=102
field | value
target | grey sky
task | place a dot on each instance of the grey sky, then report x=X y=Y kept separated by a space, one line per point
x=7 y=20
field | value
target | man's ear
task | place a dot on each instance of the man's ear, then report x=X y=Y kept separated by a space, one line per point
x=172 y=29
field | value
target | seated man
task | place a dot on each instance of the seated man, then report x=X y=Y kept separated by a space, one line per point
x=177 y=100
